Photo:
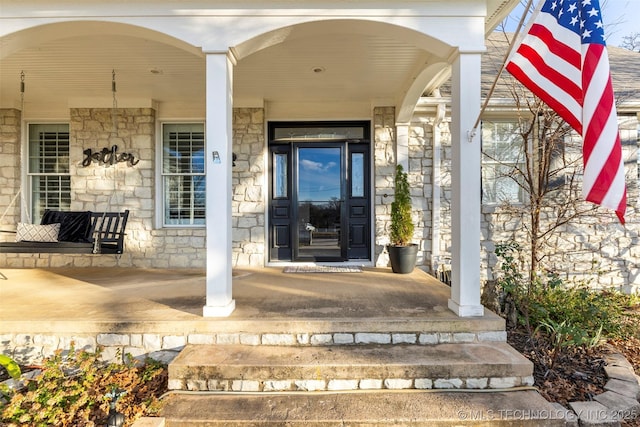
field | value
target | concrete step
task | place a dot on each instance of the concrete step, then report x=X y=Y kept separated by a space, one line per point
x=357 y=367
x=402 y=408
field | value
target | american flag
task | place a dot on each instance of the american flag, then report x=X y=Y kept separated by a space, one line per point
x=563 y=60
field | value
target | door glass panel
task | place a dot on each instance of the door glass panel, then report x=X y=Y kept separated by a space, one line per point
x=280 y=176
x=357 y=175
x=319 y=202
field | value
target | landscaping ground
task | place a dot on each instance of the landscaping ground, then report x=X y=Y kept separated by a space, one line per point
x=577 y=373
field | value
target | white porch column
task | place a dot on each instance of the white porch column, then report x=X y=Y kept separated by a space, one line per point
x=402 y=146
x=465 y=187
x=218 y=155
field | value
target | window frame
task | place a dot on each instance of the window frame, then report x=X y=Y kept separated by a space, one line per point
x=494 y=165
x=32 y=209
x=162 y=209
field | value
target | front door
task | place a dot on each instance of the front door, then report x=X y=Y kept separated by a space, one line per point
x=319 y=194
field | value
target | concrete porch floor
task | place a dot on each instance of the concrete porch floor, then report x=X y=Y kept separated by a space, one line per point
x=152 y=312
x=151 y=296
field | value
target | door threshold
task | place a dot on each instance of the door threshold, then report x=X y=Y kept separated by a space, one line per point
x=354 y=263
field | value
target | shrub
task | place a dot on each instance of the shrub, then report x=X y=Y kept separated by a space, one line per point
x=72 y=390
x=570 y=314
x=402 y=226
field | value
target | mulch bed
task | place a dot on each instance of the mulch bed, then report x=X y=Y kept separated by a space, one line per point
x=577 y=374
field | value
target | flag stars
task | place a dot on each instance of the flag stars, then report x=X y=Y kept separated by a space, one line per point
x=582 y=17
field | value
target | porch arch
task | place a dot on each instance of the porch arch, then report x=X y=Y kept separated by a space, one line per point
x=318 y=27
x=38 y=34
x=425 y=73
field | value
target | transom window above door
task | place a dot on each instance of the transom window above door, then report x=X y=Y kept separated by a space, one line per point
x=322 y=133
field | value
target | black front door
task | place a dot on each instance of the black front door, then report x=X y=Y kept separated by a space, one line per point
x=319 y=200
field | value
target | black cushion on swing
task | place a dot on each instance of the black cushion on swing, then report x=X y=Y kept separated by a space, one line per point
x=74 y=226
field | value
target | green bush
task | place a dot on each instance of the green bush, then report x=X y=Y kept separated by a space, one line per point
x=401 y=222
x=73 y=390
x=10 y=365
x=592 y=310
x=571 y=314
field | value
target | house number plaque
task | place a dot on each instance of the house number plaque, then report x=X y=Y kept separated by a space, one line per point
x=108 y=156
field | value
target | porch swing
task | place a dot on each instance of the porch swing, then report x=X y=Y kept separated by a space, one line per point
x=71 y=232
x=68 y=232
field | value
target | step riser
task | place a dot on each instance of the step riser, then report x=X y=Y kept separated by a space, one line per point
x=337 y=384
x=347 y=338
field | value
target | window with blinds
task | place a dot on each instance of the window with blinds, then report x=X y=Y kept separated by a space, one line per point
x=183 y=174
x=48 y=170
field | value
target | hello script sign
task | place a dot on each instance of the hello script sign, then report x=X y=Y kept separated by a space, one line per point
x=108 y=157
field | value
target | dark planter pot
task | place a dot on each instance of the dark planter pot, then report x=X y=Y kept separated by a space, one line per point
x=403 y=258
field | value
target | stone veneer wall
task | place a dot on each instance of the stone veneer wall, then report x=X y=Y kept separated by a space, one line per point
x=419 y=176
x=10 y=120
x=420 y=180
x=248 y=208
x=594 y=250
x=115 y=187
x=384 y=163
x=421 y=155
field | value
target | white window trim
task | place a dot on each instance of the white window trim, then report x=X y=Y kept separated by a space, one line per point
x=159 y=176
x=522 y=193
x=26 y=199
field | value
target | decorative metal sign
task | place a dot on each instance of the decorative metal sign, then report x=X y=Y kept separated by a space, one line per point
x=108 y=157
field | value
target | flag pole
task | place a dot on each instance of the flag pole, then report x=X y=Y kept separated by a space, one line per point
x=472 y=133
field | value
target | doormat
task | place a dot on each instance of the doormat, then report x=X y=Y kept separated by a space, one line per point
x=322 y=269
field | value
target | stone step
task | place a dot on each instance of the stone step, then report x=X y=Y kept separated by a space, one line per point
x=349 y=333
x=405 y=408
x=357 y=367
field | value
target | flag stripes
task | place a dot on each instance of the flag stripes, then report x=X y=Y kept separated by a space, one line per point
x=563 y=60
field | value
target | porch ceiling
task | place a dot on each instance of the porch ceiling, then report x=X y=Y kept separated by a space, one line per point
x=334 y=65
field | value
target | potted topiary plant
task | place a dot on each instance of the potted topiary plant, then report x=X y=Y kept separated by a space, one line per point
x=402 y=253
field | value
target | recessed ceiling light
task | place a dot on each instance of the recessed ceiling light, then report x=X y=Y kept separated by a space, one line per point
x=155 y=71
x=318 y=70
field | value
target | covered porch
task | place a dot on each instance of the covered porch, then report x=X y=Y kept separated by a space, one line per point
x=313 y=63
